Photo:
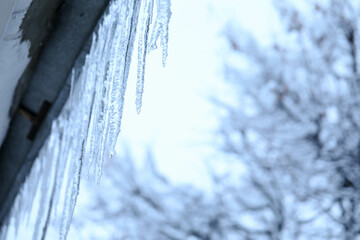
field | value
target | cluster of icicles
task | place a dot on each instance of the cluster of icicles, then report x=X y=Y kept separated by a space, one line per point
x=87 y=128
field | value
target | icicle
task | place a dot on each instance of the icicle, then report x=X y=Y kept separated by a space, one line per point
x=142 y=51
x=72 y=193
x=120 y=82
x=87 y=128
x=3 y=232
x=161 y=28
x=72 y=86
x=46 y=182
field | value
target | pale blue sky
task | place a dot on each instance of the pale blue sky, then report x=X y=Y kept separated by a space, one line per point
x=177 y=120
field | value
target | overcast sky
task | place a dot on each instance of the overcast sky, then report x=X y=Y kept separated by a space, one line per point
x=177 y=119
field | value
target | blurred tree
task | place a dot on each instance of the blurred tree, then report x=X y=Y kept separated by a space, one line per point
x=293 y=124
x=139 y=203
x=296 y=124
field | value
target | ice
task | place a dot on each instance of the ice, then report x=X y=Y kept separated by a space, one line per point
x=161 y=28
x=142 y=51
x=85 y=133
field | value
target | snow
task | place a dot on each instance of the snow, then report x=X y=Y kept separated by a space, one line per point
x=6 y=7
x=86 y=131
x=13 y=59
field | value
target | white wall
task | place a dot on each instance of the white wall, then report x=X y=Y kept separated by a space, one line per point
x=6 y=7
x=13 y=55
